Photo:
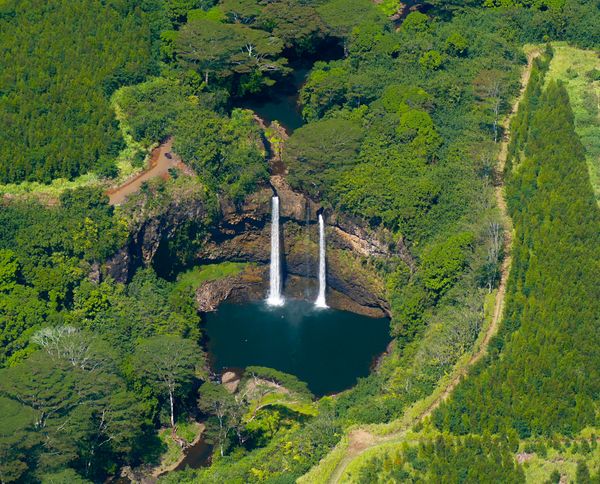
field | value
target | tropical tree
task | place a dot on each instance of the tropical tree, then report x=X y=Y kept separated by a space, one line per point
x=81 y=415
x=318 y=152
x=16 y=439
x=207 y=45
x=224 y=49
x=9 y=267
x=216 y=401
x=168 y=364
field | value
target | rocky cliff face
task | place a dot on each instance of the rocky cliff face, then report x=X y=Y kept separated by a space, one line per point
x=242 y=233
x=154 y=217
x=249 y=285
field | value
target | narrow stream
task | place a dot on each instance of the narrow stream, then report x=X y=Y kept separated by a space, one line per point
x=198 y=455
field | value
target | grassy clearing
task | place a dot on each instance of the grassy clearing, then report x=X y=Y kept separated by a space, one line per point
x=538 y=468
x=291 y=402
x=51 y=191
x=210 y=272
x=571 y=66
x=132 y=148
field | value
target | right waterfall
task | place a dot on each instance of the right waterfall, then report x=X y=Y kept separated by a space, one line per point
x=321 y=302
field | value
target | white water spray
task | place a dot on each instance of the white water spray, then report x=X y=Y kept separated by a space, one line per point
x=320 y=302
x=275 y=298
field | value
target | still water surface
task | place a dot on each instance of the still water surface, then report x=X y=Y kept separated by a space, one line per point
x=280 y=102
x=327 y=348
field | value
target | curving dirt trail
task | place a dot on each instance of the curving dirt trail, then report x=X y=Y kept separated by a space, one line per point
x=161 y=160
x=360 y=440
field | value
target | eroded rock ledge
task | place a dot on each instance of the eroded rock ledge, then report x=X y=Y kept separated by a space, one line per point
x=242 y=234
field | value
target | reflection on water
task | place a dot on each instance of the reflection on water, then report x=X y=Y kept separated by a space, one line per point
x=328 y=349
x=281 y=102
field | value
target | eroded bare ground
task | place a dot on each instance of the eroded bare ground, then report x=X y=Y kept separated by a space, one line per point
x=161 y=160
x=360 y=439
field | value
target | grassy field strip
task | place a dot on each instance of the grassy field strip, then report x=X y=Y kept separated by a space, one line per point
x=572 y=65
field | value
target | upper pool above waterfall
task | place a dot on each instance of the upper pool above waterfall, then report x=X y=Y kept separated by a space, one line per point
x=281 y=102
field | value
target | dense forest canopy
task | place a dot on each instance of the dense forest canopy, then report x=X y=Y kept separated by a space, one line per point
x=61 y=61
x=55 y=104
x=402 y=129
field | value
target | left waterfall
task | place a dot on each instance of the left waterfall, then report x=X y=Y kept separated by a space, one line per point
x=275 y=298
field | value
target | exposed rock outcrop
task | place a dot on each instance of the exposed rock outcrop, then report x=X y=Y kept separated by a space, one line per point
x=154 y=230
x=119 y=266
x=230 y=381
x=246 y=216
x=294 y=205
x=210 y=294
x=242 y=233
x=248 y=285
x=352 y=234
x=154 y=217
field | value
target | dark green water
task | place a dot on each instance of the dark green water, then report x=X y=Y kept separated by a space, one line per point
x=328 y=349
x=280 y=103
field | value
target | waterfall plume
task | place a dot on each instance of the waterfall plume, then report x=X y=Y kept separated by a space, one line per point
x=275 y=298
x=321 y=302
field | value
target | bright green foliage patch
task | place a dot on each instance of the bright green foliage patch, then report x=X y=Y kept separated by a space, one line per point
x=286 y=380
x=580 y=71
x=224 y=151
x=210 y=272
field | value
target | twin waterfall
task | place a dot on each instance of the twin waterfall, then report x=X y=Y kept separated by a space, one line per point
x=275 y=298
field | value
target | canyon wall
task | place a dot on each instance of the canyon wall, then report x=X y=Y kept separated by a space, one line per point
x=241 y=233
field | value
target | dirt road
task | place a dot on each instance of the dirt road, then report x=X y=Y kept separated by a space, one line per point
x=161 y=159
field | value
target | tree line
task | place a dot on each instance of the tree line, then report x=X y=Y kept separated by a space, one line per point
x=540 y=376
